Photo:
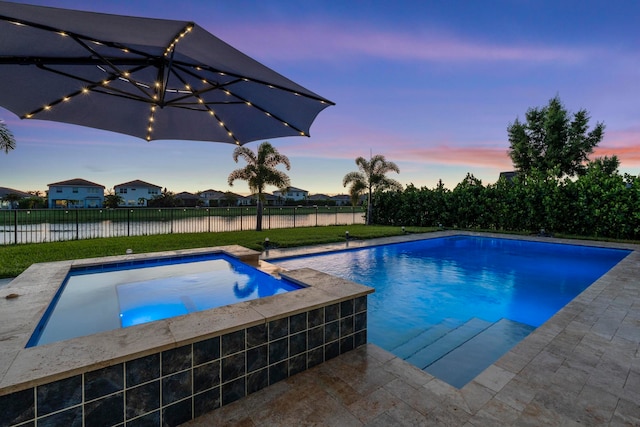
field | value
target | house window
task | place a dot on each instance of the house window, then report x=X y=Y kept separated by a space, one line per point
x=75 y=189
x=122 y=191
x=58 y=189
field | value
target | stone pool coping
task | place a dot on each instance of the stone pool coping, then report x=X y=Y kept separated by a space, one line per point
x=24 y=300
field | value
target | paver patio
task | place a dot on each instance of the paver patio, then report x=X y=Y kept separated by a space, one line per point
x=580 y=368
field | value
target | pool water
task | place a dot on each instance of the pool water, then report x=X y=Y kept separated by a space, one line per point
x=452 y=306
x=110 y=296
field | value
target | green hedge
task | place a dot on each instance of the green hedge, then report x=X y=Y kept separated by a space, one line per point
x=596 y=204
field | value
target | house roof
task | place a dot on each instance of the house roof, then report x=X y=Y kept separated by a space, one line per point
x=341 y=197
x=319 y=197
x=5 y=191
x=290 y=189
x=76 y=182
x=137 y=183
x=185 y=195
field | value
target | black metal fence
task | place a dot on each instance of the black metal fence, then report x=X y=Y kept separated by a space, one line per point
x=50 y=225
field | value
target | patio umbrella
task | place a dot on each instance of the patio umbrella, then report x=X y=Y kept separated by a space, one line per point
x=150 y=78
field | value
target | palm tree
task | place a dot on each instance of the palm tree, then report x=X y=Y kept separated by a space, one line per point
x=7 y=140
x=371 y=176
x=260 y=171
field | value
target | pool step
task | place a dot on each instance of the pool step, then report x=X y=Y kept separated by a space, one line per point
x=455 y=337
x=424 y=338
x=464 y=362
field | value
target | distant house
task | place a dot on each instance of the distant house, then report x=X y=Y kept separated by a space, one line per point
x=318 y=198
x=269 y=199
x=292 y=193
x=188 y=200
x=6 y=192
x=136 y=193
x=509 y=176
x=342 y=199
x=211 y=197
x=76 y=193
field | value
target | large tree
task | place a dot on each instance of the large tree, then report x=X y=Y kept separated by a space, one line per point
x=552 y=141
x=260 y=171
x=7 y=140
x=372 y=176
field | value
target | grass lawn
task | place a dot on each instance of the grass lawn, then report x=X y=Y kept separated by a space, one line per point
x=17 y=258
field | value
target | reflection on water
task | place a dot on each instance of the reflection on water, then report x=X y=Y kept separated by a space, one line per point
x=46 y=232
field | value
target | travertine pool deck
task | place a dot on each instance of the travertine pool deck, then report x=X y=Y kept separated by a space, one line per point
x=580 y=368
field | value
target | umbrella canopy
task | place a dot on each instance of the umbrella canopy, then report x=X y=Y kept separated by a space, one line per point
x=150 y=78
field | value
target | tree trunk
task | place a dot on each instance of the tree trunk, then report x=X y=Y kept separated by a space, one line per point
x=259 y=215
x=369 y=208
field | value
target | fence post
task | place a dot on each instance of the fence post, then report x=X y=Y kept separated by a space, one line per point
x=294 y=217
x=77 y=226
x=171 y=230
x=316 y=216
x=15 y=226
x=128 y=222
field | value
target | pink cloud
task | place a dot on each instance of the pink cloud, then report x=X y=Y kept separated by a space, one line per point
x=622 y=143
x=335 y=41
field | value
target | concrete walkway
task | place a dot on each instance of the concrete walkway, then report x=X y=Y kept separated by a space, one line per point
x=581 y=368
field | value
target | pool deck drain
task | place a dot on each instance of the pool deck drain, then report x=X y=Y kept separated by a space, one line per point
x=580 y=368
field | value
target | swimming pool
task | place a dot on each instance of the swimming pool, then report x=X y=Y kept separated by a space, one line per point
x=453 y=305
x=109 y=296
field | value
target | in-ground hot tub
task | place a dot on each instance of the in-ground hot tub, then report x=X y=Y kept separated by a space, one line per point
x=168 y=371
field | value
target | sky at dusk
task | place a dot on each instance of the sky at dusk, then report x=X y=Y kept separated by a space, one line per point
x=431 y=85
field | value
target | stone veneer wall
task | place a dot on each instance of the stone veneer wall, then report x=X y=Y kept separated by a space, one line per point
x=174 y=386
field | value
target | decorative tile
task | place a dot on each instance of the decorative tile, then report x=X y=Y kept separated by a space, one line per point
x=257 y=358
x=176 y=387
x=315 y=337
x=346 y=326
x=297 y=364
x=233 y=342
x=297 y=343
x=17 y=407
x=233 y=367
x=331 y=331
x=233 y=391
x=278 y=372
x=69 y=418
x=360 y=304
x=257 y=335
x=278 y=350
x=331 y=313
x=178 y=413
x=257 y=380
x=298 y=323
x=360 y=321
x=142 y=399
x=206 y=402
x=331 y=350
x=360 y=338
x=176 y=360
x=149 y=420
x=206 y=376
x=346 y=308
x=142 y=370
x=278 y=328
x=59 y=395
x=316 y=317
x=346 y=344
x=315 y=357
x=206 y=351
x=107 y=411
x=103 y=381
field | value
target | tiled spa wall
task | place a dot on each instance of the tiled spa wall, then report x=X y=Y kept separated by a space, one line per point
x=174 y=386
